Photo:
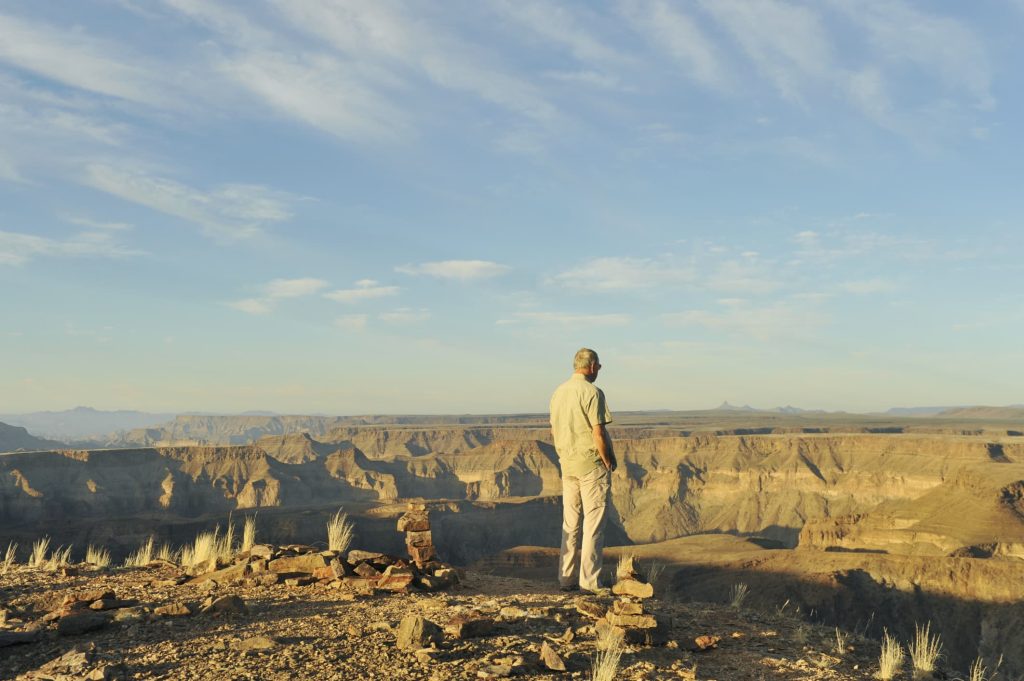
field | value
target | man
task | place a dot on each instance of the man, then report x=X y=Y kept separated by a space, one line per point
x=578 y=417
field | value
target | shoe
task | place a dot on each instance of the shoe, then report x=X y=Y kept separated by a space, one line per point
x=570 y=587
x=600 y=592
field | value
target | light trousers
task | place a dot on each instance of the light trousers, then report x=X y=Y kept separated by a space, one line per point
x=584 y=500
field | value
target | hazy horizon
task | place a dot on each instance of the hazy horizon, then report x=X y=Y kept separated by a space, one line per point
x=384 y=208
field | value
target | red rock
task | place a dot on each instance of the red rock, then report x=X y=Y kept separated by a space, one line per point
x=396 y=579
x=366 y=570
x=421 y=554
x=467 y=626
x=414 y=522
x=306 y=563
x=356 y=556
x=418 y=538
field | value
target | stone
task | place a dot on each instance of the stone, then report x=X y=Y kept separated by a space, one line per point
x=415 y=632
x=632 y=621
x=226 y=605
x=423 y=538
x=306 y=563
x=87 y=597
x=17 y=638
x=356 y=556
x=551 y=659
x=468 y=626
x=627 y=608
x=262 y=551
x=366 y=569
x=427 y=654
x=173 y=610
x=360 y=585
x=130 y=615
x=449 y=575
x=421 y=554
x=265 y=579
x=632 y=587
x=414 y=522
x=512 y=612
x=706 y=642
x=396 y=579
x=226 y=575
x=590 y=609
x=106 y=672
x=111 y=604
x=299 y=581
x=430 y=583
x=416 y=506
x=495 y=671
x=83 y=622
x=255 y=643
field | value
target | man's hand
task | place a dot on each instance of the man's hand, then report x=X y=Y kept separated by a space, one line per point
x=604 y=447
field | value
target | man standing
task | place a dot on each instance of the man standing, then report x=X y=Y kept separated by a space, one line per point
x=578 y=417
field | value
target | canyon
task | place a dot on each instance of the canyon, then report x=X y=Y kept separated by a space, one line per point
x=862 y=524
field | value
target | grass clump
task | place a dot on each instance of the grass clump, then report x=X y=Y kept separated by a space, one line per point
x=249 y=533
x=40 y=549
x=925 y=649
x=339 y=532
x=626 y=567
x=842 y=638
x=891 y=659
x=9 y=557
x=143 y=556
x=98 y=556
x=208 y=546
x=738 y=594
x=605 y=663
x=59 y=558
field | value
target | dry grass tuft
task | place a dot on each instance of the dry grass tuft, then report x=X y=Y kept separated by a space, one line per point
x=40 y=548
x=142 y=557
x=605 y=663
x=98 y=556
x=249 y=533
x=925 y=649
x=339 y=532
x=738 y=594
x=842 y=638
x=626 y=567
x=164 y=553
x=977 y=672
x=9 y=557
x=891 y=660
x=59 y=558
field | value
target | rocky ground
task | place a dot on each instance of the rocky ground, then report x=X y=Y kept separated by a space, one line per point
x=325 y=630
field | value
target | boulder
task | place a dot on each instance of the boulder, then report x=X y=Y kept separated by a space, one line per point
x=396 y=579
x=414 y=522
x=172 y=610
x=415 y=632
x=306 y=563
x=468 y=626
x=81 y=623
x=225 y=605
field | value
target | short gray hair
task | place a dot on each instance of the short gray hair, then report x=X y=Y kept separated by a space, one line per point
x=585 y=357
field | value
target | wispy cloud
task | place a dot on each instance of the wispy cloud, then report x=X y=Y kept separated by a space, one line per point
x=559 y=25
x=74 y=58
x=352 y=322
x=567 y=319
x=625 y=273
x=459 y=270
x=17 y=248
x=228 y=212
x=781 y=319
x=365 y=289
x=679 y=36
x=276 y=290
x=405 y=315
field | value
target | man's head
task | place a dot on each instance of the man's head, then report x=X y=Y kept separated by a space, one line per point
x=586 y=363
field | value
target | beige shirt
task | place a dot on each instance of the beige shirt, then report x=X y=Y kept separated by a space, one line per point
x=576 y=407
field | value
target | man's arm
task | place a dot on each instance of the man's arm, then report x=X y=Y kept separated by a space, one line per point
x=604 y=447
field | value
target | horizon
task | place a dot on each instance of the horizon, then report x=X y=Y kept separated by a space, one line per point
x=383 y=208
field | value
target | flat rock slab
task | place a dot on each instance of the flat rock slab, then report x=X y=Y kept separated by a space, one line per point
x=591 y=609
x=111 y=604
x=81 y=623
x=632 y=587
x=15 y=638
x=462 y=627
x=308 y=563
x=551 y=659
x=256 y=643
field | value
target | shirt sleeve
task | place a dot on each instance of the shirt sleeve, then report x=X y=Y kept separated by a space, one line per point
x=597 y=409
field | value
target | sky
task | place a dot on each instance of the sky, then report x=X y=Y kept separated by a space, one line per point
x=377 y=206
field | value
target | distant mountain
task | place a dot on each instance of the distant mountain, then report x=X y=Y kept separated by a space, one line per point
x=918 y=411
x=82 y=423
x=13 y=438
x=1014 y=412
x=725 y=406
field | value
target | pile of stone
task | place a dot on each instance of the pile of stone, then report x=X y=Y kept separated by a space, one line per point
x=416 y=525
x=628 y=618
x=362 y=572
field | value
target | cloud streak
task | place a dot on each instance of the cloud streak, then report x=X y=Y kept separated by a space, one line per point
x=17 y=248
x=276 y=290
x=456 y=270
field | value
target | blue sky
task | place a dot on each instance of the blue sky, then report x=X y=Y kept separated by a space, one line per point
x=373 y=206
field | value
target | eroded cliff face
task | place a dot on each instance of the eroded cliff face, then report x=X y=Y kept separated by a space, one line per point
x=843 y=491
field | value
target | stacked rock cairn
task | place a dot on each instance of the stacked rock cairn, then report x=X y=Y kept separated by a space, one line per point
x=628 y=618
x=416 y=525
